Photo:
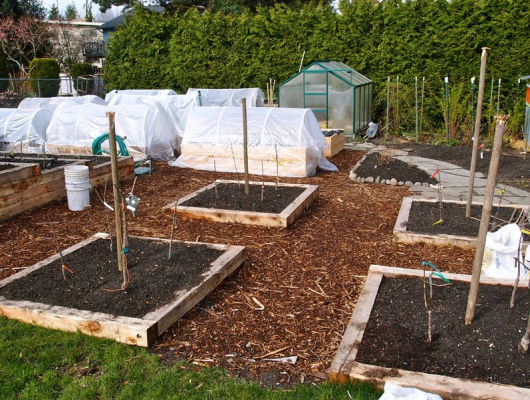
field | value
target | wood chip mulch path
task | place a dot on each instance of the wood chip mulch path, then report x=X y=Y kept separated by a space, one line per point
x=307 y=277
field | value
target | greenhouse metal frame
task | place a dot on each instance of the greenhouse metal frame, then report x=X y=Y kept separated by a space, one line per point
x=339 y=96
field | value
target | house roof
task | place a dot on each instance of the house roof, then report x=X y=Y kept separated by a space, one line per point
x=114 y=23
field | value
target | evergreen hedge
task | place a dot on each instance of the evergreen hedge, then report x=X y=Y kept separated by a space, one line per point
x=44 y=73
x=424 y=38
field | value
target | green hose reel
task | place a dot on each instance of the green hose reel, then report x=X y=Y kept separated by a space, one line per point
x=96 y=145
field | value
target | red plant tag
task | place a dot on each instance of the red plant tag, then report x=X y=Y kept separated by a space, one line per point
x=435 y=173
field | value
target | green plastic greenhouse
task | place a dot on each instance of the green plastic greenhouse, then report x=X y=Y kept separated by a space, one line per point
x=340 y=97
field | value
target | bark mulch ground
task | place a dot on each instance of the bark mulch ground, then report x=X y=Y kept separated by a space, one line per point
x=423 y=215
x=377 y=165
x=307 y=277
x=94 y=281
x=514 y=169
x=397 y=336
x=233 y=197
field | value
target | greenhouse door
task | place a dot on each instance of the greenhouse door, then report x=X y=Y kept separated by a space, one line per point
x=316 y=95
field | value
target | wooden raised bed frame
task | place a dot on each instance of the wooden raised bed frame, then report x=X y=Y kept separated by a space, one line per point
x=135 y=331
x=335 y=143
x=344 y=367
x=283 y=219
x=24 y=191
x=403 y=236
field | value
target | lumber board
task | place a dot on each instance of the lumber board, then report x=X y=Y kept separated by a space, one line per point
x=44 y=177
x=19 y=172
x=30 y=193
x=135 y=331
x=284 y=219
x=15 y=209
x=335 y=143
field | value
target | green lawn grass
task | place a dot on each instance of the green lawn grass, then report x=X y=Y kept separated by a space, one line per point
x=37 y=363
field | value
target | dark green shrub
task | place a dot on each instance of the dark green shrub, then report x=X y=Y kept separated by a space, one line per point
x=3 y=65
x=47 y=70
x=81 y=69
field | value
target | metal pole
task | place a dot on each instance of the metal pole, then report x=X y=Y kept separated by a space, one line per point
x=499 y=97
x=115 y=186
x=387 y=108
x=245 y=145
x=422 y=98
x=301 y=62
x=416 y=98
x=446 y=80
x=397 y=103
x=200 y=99
x=484 y=220
x=478 y=117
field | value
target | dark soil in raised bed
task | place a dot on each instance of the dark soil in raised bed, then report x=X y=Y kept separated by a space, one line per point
x=375 y=164
x=424 y=214
x=153 y=277
x=44 y=163
x=486 y=350
x=5 y=167
x=514 y=170
x=34 y=158
x=233 y=197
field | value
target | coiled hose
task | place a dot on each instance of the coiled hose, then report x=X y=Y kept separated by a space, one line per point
x=96 y=145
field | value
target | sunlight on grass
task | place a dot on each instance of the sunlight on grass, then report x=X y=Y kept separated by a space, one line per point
x=37 y=363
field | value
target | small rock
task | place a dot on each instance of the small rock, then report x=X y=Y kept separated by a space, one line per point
x=401 y=183
x=370 y=179
x=417 y=184
x=409 y=184
x=387 y=181
x=353 y=175
x=377 y=179
x=358 y=179
x=362 y=180
x=425 y=184
x=393 y=182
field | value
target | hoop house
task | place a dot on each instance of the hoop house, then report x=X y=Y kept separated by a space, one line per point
x=143 y=92
x=52 y=103
x=231 y=97
x=285 y=141
x=147 y=129
x=340 y=97
x=24 y=126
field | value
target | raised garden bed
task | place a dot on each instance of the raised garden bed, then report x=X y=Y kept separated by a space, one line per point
x=416 y=217
x=335 y=140
x=31 y=186
x=280 y=207
x=386 y=338
x=380 y=167
x=160 y=290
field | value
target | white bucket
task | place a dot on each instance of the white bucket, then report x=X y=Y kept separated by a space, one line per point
x=77 y=184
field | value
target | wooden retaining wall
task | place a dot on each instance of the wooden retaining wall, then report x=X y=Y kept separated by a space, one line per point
x=34 y=187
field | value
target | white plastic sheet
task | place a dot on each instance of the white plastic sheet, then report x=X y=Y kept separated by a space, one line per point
x=143 y=92
x=24 y=126
x=284 y=140
x=502 y=247
x=231 y=97
x=148 y=128
x=178 y=106
x=395 y=392
x=52 y=103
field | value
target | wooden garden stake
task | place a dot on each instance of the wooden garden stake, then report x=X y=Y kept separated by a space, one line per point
x=125 y=244
x=484 y=222
x=173 y=227
x=107 y=213
x=429 y=331
x=525 y=341
x=263 y=181
x=245 y=145
x=215 y=181
x=277 y=165
x=116 y=186
x=476 y=133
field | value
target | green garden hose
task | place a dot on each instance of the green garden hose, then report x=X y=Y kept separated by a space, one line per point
x=96 y=145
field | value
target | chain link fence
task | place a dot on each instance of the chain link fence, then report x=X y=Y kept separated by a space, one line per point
x=14 y=90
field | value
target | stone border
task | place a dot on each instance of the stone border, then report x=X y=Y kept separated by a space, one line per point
x=344 y=367
x=403 y=236
x=394 y=182
x=135 y=331
x=284 y=219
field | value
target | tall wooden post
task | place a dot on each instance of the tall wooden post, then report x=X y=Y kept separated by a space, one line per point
x=476 y=134
x=245 y=145
x=485 y=219
x=115 y=186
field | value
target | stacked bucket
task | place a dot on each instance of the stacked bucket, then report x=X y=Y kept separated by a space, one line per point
x=77 y=183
